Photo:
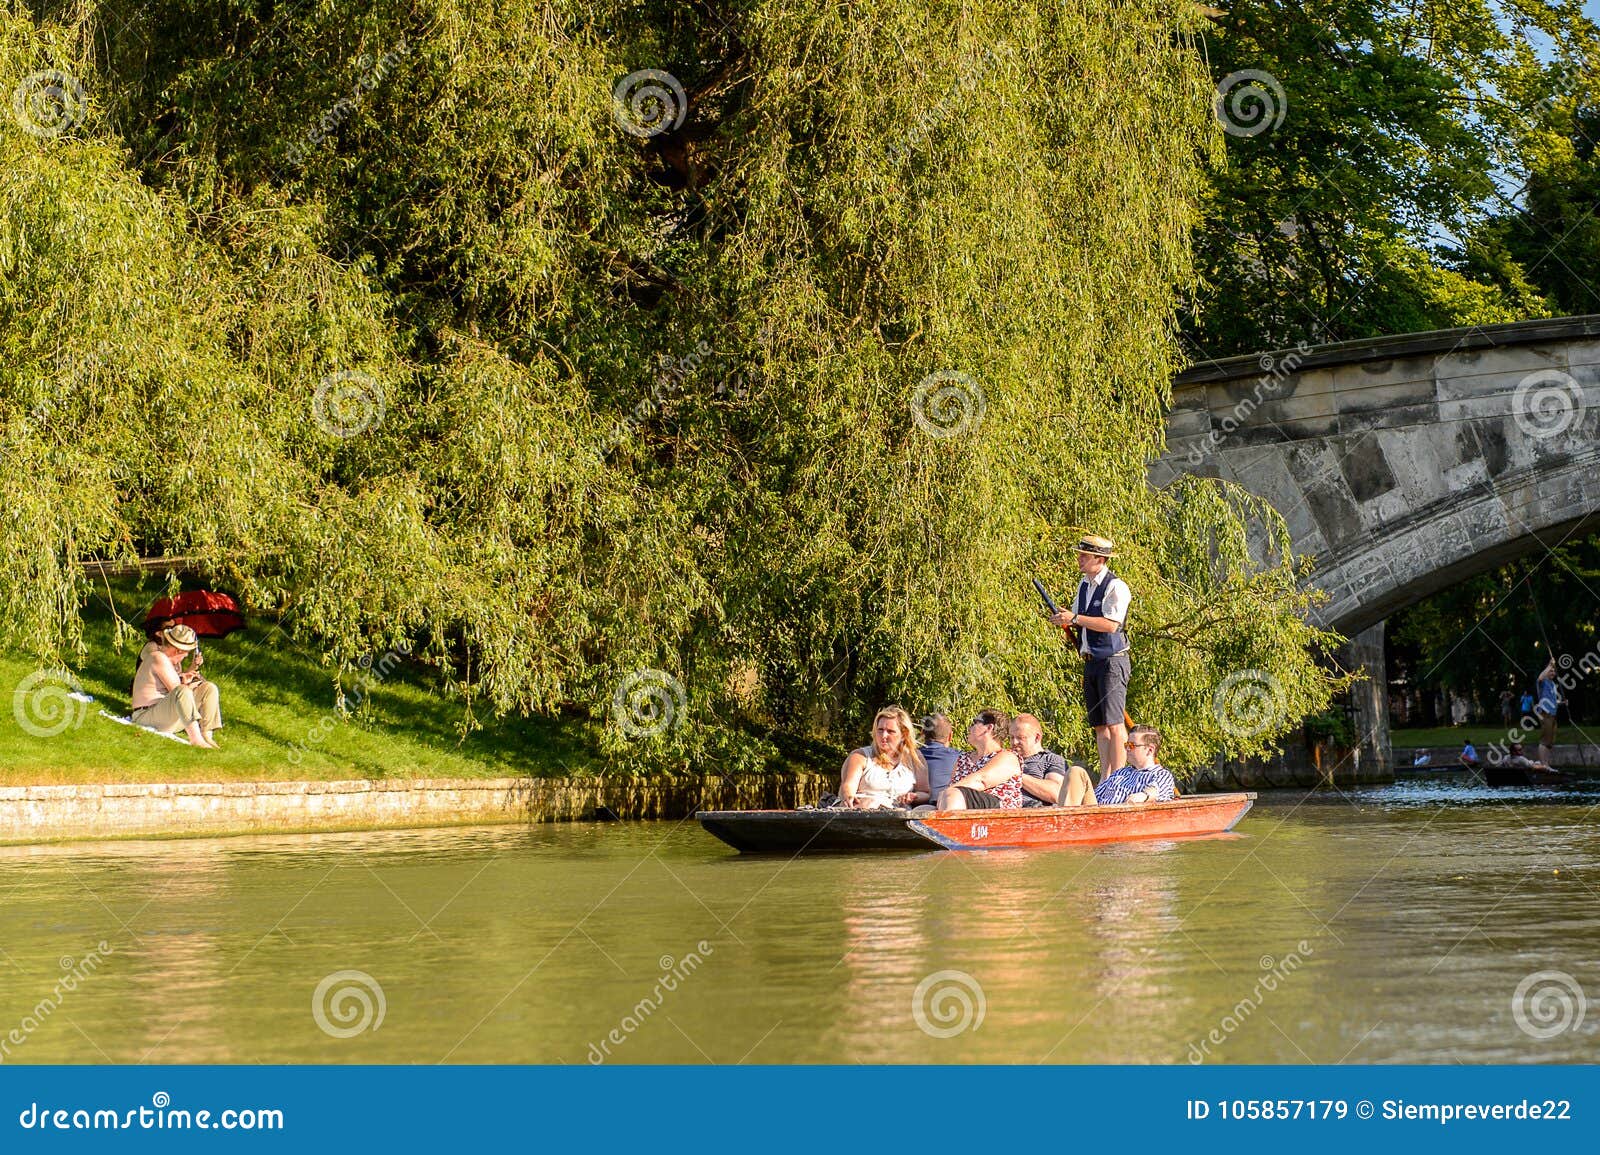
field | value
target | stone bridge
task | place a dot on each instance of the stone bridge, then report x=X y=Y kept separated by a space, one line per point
x=1404 y=464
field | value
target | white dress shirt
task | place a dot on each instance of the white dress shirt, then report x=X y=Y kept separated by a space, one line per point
x=1115 y=607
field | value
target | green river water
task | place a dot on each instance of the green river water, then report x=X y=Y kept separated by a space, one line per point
x=1389 y=925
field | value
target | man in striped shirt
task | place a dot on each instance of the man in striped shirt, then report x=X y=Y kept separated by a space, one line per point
x=1143 y=779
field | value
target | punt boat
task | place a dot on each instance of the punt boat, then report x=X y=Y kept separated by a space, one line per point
x=806 y=831
x=1502 y=775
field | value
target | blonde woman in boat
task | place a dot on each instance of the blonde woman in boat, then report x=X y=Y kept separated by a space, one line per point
x=890 y=772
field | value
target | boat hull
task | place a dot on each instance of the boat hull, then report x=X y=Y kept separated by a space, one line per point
x=1522 y=776
x=807 y=831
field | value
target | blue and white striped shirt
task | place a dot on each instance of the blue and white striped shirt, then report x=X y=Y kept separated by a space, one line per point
x=1156 y=782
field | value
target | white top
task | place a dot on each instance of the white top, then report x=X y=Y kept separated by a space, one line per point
x=879 y=787
x=1115 y=607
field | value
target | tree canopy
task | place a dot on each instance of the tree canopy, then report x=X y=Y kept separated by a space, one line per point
x=742 y=361
x=1370 y=146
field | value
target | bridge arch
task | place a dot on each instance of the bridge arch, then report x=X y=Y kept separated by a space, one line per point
x=1405 y=464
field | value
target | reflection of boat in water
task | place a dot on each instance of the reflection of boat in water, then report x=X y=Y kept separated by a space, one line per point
x=797 y=831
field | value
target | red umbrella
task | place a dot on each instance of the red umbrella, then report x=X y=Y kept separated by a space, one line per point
x=207 y=613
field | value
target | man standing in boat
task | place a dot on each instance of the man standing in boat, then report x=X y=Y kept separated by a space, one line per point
x=1099 y=610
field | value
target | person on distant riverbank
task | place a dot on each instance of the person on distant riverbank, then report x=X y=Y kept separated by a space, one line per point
x=889 y=772
x=1549 y=698
x=937 y=752
x=989 y=777
x=1100 y=610
x=170 y=699
x=1144 y=779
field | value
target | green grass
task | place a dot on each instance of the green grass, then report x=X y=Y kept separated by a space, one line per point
x=1451 y=737
x=277 y=704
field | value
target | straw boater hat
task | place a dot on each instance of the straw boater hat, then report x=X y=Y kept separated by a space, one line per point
x=1100 y=546
x=179 y=637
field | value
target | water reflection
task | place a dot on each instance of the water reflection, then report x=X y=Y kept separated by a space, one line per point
x=1413 y=913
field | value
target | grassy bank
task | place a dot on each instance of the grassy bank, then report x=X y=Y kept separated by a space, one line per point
x=280 y=721
x=1451 y=737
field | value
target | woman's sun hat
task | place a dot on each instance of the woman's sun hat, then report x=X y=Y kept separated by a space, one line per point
x=180 y=637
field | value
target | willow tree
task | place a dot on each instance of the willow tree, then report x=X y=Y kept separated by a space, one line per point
x=755 y=353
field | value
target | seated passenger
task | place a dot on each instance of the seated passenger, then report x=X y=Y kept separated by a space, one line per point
x=889 y=772
x=1469 y=756
x=1043 y=771
x=990 y=776
x=1143 y=779
x=1517 y=760
x=168 y=698
x=937 y=752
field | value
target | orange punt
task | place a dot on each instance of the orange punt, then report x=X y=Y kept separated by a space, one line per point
x=806 y=831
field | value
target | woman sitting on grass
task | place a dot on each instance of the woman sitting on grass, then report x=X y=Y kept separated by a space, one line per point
x=888 y=773
x=168 y=699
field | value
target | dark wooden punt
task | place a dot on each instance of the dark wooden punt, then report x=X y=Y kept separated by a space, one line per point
x=1522 y=776
x=807 y=831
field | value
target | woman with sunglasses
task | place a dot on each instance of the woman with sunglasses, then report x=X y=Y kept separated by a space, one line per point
x=990 y=776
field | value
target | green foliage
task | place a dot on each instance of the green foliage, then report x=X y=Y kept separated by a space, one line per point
x=621 y=403
x=1358 y=214
x=1499 y=629
x=1332 y=726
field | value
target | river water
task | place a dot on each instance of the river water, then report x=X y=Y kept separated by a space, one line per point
x=1389 y=925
